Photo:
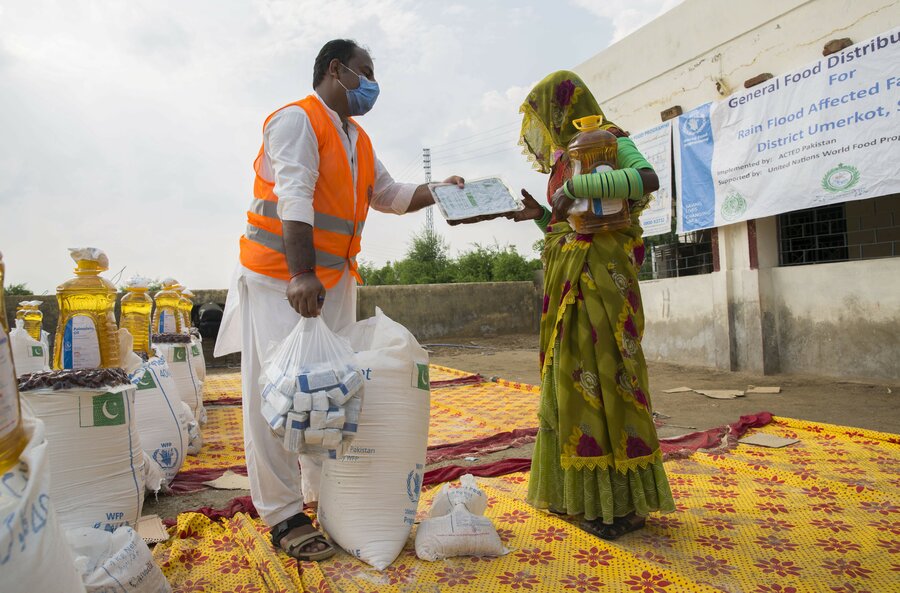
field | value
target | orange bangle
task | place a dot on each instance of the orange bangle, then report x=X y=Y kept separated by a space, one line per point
x=305 y=271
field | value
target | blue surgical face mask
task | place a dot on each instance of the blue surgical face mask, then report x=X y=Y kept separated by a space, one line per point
x=362 y=98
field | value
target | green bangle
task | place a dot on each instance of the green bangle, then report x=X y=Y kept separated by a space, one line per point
x=567 y=192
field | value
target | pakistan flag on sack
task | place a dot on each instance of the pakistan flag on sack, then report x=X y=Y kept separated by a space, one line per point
x=107 y=409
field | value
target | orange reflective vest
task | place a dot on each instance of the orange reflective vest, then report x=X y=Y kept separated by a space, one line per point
x=339 y=218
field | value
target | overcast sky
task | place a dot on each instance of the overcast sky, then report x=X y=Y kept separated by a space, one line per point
x=132 y=126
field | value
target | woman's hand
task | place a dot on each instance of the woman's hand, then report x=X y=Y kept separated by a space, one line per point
x=531 y=211
x=561 y=204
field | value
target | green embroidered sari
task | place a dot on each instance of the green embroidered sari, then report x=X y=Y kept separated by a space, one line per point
x=597 y=451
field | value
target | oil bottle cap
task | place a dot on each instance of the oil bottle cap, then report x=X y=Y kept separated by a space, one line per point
x=36 y=304
x=187 y=293
x=90 y=254
x=588 y=123
x=171 y=284
x=138 y=282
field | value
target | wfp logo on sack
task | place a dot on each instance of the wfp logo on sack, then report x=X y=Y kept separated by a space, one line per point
x=166 y=456
x=102 y=410
x=180 y=354
x=413 y=485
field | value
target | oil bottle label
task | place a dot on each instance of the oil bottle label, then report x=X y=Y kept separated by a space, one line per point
x=81 y=346
x=9 y=399
x=167 y=322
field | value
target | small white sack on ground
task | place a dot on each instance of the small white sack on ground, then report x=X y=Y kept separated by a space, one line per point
x=457 y=526
x=117 y=562
x=459 y=533
x=190 y=387
x=158 y=408
x=96 y=460
x=369 y=498
x=467 y=494
x=29 y=355
x=34 y=555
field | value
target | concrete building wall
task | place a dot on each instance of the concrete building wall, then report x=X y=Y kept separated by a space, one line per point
x=832 y=319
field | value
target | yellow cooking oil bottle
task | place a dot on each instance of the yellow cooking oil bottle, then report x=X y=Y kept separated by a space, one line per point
x=594 y=150
x=167 y=316
x=136 y=310
x=87 y=336
x=21 y=310
x=12 y=433
x=34 y=320
x=186 y=304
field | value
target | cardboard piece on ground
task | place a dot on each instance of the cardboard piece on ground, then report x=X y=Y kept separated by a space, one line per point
x=152 y=530
x=721 y=393
x=755 y=389
x=767 y=440
x=229 y=481
x=678 y=390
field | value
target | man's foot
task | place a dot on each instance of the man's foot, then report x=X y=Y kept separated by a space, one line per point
x=619 y=527
x=299 y=539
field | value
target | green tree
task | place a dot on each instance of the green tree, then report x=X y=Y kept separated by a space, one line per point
x=509 y=266
x=476 y=265
x=18 y=290
x=427 y=260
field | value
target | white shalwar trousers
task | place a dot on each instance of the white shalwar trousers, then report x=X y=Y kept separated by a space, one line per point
x=257 y=308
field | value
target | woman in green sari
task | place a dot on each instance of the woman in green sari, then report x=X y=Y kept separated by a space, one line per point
x=597 y=452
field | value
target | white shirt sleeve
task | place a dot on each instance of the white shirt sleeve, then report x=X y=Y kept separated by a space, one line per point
x=292 y=149
x=388 y=195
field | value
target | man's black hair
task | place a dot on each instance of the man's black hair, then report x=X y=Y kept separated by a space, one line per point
x=342 y=49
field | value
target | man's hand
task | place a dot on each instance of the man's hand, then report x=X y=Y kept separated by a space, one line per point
x=456 y=179
x=532 y=210
x=306 y=295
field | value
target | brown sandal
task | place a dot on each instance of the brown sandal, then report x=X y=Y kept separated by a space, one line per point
x=302 y=535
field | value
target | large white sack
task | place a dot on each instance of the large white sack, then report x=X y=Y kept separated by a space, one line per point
x=96 y=460
x=197 y=357
x=158 y=410
x=368 y=499
x=29 y=355
x=190 y=387
x=118 y=562
x=34 y=555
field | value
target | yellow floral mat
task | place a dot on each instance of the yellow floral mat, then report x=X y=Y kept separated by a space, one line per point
x=458 y=413
x=820 y=516
x=225 y=387
x=223 y=441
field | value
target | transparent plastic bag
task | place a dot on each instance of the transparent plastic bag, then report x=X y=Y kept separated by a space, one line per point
x=312 y=391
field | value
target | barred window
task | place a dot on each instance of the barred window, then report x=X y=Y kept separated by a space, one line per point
x=862 y=229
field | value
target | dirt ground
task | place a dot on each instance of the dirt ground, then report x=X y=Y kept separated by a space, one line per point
x=851 y=402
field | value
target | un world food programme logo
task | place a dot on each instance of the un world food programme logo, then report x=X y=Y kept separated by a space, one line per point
x=733 y=206
x=841 y=178
x=694 y=126
x=102 y=410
